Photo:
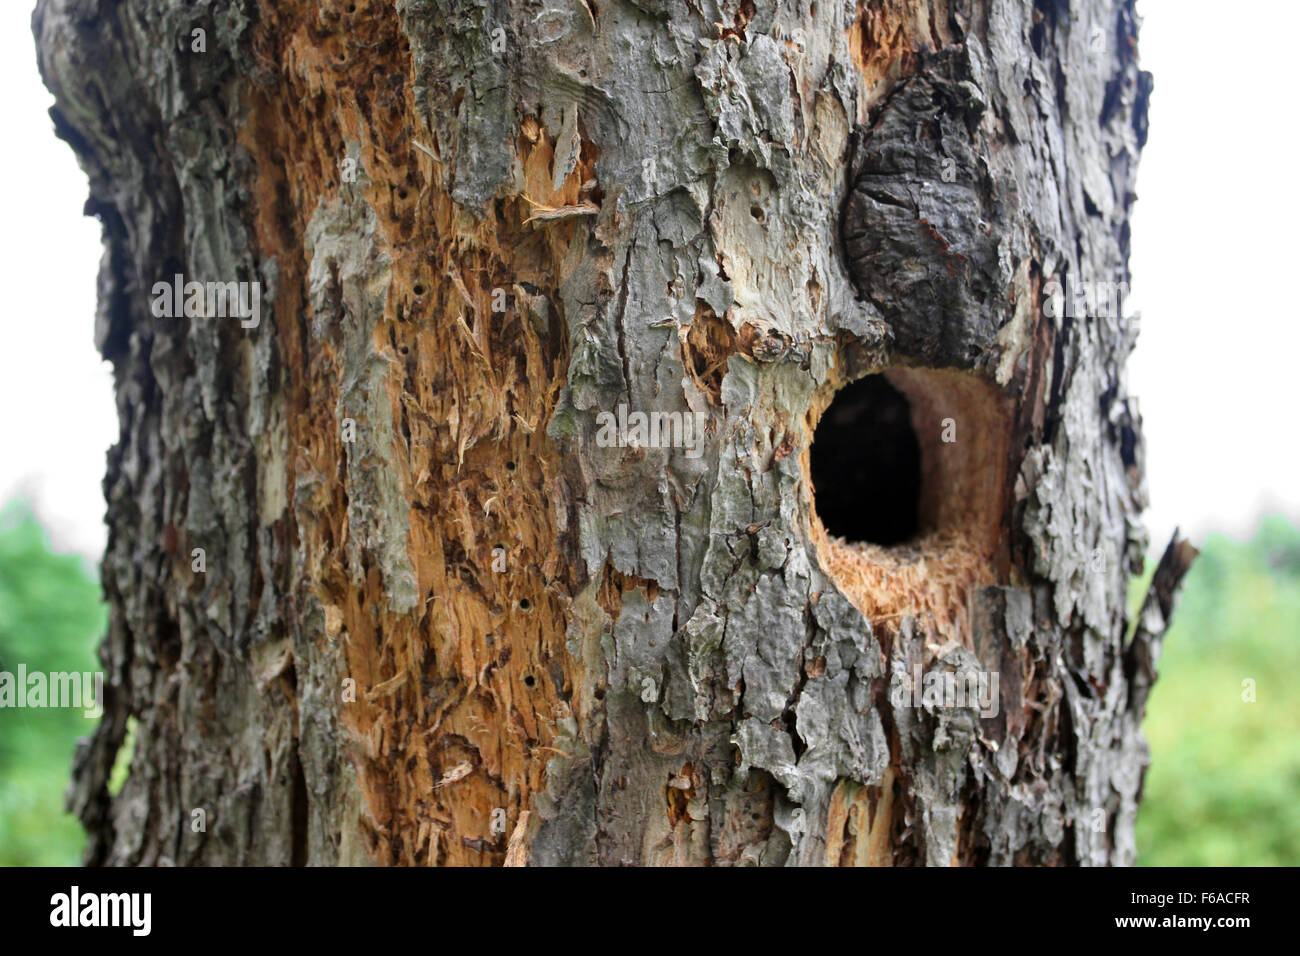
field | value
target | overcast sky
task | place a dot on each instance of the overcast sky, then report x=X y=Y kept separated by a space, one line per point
x=1215 y=368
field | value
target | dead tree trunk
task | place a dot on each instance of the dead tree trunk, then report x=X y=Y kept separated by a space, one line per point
x=480 y=520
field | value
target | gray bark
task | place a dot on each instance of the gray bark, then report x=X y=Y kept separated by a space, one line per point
x=716 y=207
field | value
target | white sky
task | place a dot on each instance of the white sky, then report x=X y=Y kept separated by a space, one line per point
x=1215 y=369
x=57 y=417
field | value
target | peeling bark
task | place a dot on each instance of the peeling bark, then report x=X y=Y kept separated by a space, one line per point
x=444 y=620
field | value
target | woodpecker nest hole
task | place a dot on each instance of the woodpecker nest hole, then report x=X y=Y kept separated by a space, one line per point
x=908 y=477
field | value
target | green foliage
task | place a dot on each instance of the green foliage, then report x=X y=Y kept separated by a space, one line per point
x=51 y=619
x=1224 y=784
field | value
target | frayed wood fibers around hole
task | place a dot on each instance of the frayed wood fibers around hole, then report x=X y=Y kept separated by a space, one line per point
x=962 y=504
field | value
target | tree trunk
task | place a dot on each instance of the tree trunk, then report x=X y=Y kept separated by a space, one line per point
x=398 y=572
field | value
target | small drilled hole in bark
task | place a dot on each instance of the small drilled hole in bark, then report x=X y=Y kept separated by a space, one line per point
x=866 y=465
x=530 y=680
x=524 y=604
x=418 y=288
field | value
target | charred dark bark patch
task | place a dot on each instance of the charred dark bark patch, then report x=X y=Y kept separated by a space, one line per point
x=917 y=226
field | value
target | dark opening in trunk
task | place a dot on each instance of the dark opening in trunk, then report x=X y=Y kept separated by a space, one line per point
x=866 y=464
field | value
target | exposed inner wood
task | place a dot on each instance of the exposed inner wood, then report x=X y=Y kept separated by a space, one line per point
x=456 y=701
x=886 y=37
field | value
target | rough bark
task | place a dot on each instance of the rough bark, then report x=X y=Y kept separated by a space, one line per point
x=568 y=653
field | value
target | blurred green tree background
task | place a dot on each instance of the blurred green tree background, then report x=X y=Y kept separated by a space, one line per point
x=1223 y=788
x=51 y=619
